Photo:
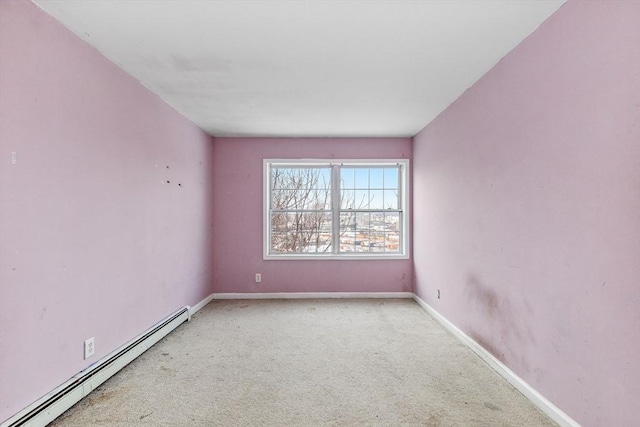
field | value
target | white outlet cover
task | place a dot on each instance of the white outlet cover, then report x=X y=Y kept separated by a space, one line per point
x=258 y=277
x=89 y=347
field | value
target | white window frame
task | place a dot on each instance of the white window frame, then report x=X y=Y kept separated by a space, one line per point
x=405 y=220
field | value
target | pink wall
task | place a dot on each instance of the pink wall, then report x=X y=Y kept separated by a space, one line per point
x=238 y=204
x=94 y=242
x=527 y=211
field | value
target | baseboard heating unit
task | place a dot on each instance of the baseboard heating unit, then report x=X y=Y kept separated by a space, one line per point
x=52 y=405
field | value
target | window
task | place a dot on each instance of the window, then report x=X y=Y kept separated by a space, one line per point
x=335 y=209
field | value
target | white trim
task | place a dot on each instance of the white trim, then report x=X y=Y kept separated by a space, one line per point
x=193 y=310
x=313 y=295
x=551 y=410
x=405 y=216
x=350 y=257
x=58 y=400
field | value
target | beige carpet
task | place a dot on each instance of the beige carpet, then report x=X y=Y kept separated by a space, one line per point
x=307 y=363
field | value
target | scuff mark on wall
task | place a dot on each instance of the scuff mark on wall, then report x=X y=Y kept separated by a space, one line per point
x=483 y=295
x=406 y=283
x=514 y=333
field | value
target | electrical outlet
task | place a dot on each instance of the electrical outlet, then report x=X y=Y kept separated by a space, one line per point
x=89 y=347
x=258 y=277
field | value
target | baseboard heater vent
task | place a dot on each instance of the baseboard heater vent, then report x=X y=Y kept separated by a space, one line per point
x=49 y=407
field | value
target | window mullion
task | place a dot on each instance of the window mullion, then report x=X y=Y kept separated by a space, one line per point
x=269 y=202
x=401 y=205
x=335 y=208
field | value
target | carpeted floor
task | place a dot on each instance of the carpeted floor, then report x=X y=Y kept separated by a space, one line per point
x=307 y=363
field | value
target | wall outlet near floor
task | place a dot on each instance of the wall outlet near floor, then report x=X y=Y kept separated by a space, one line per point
x=89 y=347
x=258 y=277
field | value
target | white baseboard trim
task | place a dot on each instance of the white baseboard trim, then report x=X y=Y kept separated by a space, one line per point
x=551 y=410
x=312 y=295
x=53 y=404
x=193 y=310
x=529 y=392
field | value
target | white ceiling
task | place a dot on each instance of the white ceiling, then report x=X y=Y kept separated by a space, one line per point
x=305 y=68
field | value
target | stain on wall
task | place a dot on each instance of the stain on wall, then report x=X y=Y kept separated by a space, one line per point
x=514 y=332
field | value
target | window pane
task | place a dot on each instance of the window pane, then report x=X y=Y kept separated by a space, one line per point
x=392 y=232
x=347 y=177
x=280 y=177
x=321 y=200
x=323 y=180
x=347 y=199
x=301 y=232
x=282 y=199
x=392 y=222
x=377 y=232
x=376 y=199
x=362 y=199
x=392 y=242
x=362 y=178
x=279 y=242
x=279 y=222
x=391 y=199
x=375 y=177
x=347 y=232
x=362 y=232
x=391 y=177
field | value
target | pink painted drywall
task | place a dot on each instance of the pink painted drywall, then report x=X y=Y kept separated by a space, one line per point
x=238 y=202
x=94 y=241
x=527 y=211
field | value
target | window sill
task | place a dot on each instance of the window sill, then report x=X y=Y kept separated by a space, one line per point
x=335 y=257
